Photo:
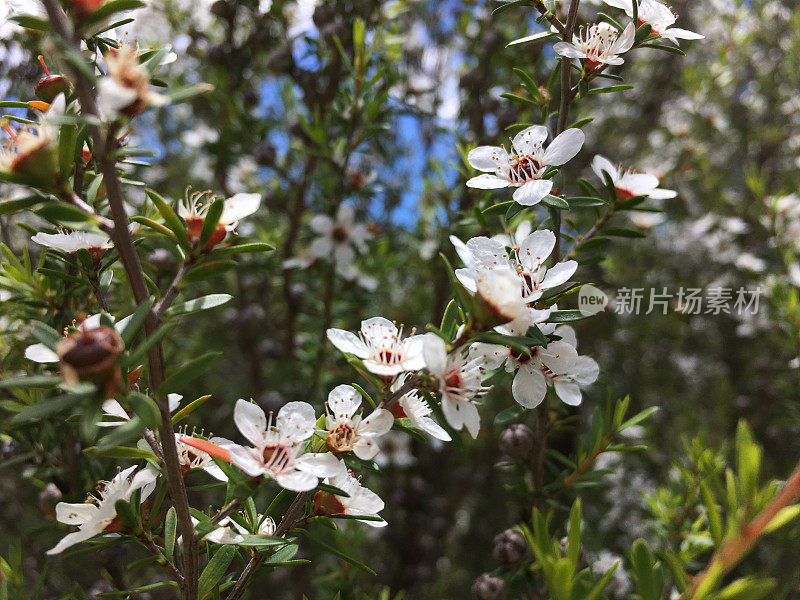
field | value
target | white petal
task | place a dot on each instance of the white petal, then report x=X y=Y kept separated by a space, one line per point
x=559 y=357
x=452 y=413
x=250 y=420
x=345 y=215
x=432 y=428
x=568 y=50
x=472 y=419
x=321 y=247
x=238 y=207
x=40 y=353
x=586 y=370
x=486 y=158
x=378 y=423
x=624 y=42
x=365 y=448
x=71 y=539
x=321 y=464
x=321 y=224
x=535 y=249
x=244 y=459
x=569 y=392
x=296 y=421
x=378 y=330
x=529 y=139
x=347 y=341
x=529 y=386
x=174 y=401
x=492 y=355
x=532 y=192
x=297 y=481
x=75 y=514
x=600 y=164
x=435 y=353
x=558 y=274
x=343 y=401
x=487 y=182
x=114 y=408
x=566 y=145
x=683 y=34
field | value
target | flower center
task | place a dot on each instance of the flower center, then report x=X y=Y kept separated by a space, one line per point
x=339 y=234
x=524 y=168
x=276 y=458
x=341 y=438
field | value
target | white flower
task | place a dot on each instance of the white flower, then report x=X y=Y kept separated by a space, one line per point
x=266 y=526
x=348 y=431
x=513 y=239
x=194 y=207
x=126 y=86
x=524 y=166
x=459 y=379
x=192 y=458
x=339 y=237
x=95 y=243
x=414 y=408
x=628 y=183
x=277 y=451
x=530 y=383
x=381 y=346
x=97 y=515
x=40 y=353
x=359 y=500
x=598 y=44
x=658 y=16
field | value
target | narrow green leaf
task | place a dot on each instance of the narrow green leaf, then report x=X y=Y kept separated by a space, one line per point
x=136 y=321
x=198 y=304
x=170 y=219
x=215 y=570
x=170 y=530
x=186 y=373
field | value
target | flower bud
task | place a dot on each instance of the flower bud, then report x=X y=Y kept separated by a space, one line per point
x=487 y=587
x=510 y=548
x=517 y=441
x=91 y=355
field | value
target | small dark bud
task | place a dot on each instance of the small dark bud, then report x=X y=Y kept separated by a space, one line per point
x=487 y=587
x=510 y=548
x=91 y=355
x=517 y=441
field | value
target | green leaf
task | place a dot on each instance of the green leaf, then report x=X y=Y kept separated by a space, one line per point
x=189 y=408
x=566 y=316
x=170 y=531
x=127 y=514
x=595 y=242
x=507 y=415
x=170 y=219
x=136 y=321
x=248 y=248
x=121 y=452
x=643 y=565
x=30 y=382
x=186 y=373
x=47 y=408
x=574 y=534
x=585 y=202
x=11 y=206
x=519 y=99
x=109 y=8
x=136 y=355
x=146 y=408
x=499 y=209
x=610 y=89
x=747 y=588
x=555 y=202
x=198 y=304
x=532 y=38
x=262 y=541
x=712 y=513
x=124 y=434
x=638 y=418
x=187 y=92
x=325 y=487
x=58 y=213
x=215 y=570
x=211 y=220
x=31 y=22
x=665 y=48
x=209 y=269
x=784 y=516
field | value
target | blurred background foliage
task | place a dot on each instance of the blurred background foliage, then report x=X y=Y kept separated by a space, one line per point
x=290 y=118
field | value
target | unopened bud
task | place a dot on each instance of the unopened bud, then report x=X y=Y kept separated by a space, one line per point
x=91 y=355
x=51 y=85
x=510 y=548
x=517 y=441
x=487 y=587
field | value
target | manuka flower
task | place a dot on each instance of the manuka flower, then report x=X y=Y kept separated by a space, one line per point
x=277 y=451
x=359 y=501
x=95 y=243
x=658 y=16
x=532 y=370
x=599 y=44
x=381 y=346
x=195 y=206
x=459 y=380
x=99 y=514
x=126 y=86
x=339 y=239
x=525 y=165
x=348 y=431
x=628 y=183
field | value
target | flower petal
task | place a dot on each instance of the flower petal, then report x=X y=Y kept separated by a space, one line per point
x=532 y=192
x=250 y=420
x=566 y=145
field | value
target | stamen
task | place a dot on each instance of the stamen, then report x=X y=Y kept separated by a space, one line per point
x=44 y=66
x=6 y=126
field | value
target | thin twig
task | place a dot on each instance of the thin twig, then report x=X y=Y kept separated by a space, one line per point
x=225 y=511
x=147 y=542
x=553 y=19
x=599 y=224
x=566 y=67
x=166 y=300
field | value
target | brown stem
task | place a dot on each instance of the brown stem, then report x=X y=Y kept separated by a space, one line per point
x=566 y=67
x=98 y=293
x=553 y=19
x=147 y=541
x=734 y=549
x=103 y=143
x=166 y=300
x=225 y=511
